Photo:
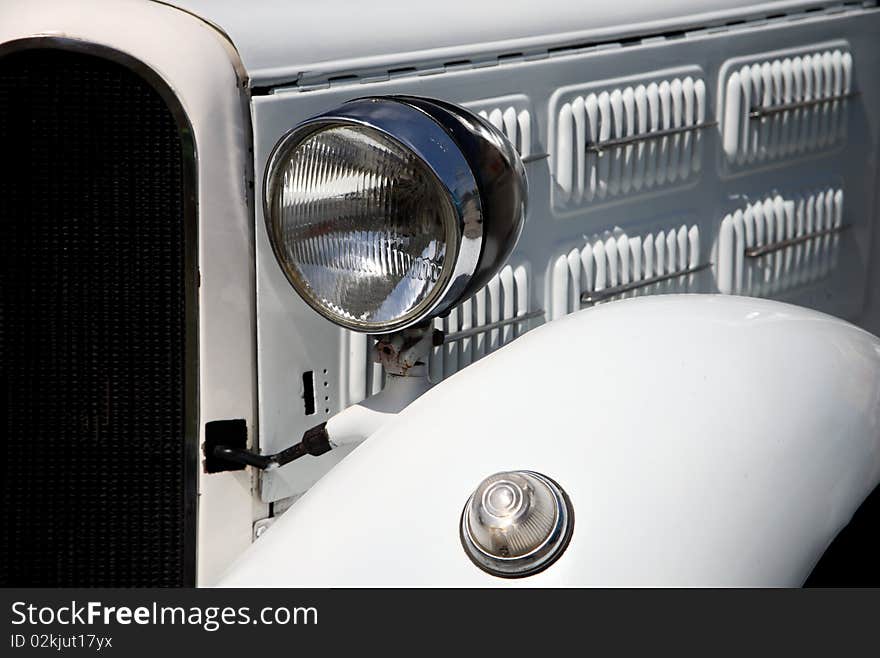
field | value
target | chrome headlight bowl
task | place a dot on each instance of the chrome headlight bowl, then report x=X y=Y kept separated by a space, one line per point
x=516 y=524
x=386 y=211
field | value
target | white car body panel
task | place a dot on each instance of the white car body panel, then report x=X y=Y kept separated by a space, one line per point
x=559 y=237
x=703 y=440
x=283 y=42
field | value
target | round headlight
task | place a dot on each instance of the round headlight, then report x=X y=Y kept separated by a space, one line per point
x=389 y=210
x=516 y=524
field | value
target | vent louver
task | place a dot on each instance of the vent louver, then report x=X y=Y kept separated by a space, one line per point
x=505 y=297
x=617 y=261
x=766 y=248
x=515 y=123
x=586 y=172
x=781 y=108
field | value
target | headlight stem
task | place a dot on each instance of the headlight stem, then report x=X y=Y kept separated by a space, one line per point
x=405 y=353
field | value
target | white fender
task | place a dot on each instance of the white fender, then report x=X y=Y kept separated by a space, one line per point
x=703 y=440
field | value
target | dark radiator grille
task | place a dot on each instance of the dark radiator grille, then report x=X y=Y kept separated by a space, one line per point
x=93 y=327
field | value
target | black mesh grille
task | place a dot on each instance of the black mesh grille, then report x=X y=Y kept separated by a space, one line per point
x=93 y=326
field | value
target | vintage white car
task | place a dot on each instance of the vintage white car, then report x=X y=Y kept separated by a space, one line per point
x=429 y=294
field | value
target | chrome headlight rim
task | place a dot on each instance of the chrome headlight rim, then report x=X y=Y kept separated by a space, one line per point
x=542 y=556
x=414 y=130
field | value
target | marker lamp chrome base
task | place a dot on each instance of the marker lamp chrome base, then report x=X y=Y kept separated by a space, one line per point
x=516 y=524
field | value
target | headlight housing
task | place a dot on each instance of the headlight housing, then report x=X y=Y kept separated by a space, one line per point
x=387 y=211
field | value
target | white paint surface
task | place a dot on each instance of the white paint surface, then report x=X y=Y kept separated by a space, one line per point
x=725 y=466
x=282 y=41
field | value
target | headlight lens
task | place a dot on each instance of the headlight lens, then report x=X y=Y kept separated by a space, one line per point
x=389 y=210
x=516 y=524
x=366 y=227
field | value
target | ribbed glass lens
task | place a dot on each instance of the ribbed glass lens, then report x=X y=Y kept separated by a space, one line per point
x=516 y=523
x=367 y=231
x=511 y=514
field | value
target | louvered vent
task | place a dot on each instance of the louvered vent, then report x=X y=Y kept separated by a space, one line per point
x=766 y=248
x=513 y=122
x=775 y=109
x=617 y=265
x=505 y=297
x=589 y=166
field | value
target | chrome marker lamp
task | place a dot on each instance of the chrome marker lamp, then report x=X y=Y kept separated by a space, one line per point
x=387 y=211
x=516 y=524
